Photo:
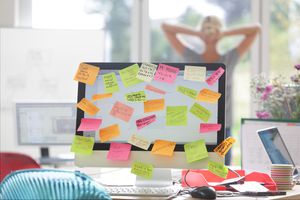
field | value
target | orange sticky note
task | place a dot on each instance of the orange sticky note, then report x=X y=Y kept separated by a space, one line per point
x=154 y=105
x=109 y=132
x=87 y=106
x=163 y=147
x=122 y=111
x=86 y=73
x=154 y=89
x=224 y=147
x=208 y=96
x=101 y=96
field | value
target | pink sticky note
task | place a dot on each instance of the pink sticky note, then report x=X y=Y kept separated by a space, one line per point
x=140 y=123
x=154 y=89
x=122 y=111
x=119 y=151
x=215 y=76
x=88 y=124
x=166 y=73
x=205 y=128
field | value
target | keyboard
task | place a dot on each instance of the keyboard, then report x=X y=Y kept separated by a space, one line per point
x=142 y=191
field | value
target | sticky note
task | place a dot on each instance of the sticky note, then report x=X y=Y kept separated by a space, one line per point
x=141 y=123
x=146 y=72
x=154 y=105
x=163 y=147
x=195 y=151
x=154 y=89
x=136 y=96
x=205 y=127
x=139 y=141
x=215 y=76
x=82 y=145
x=110 y=83
x=86 y=73
x=200 y=112
x=194 y=73
x=88 y=124
x=128 y=75
x=166 y=73
x=224 y=147
x=208 y=96
x=176 y=116
x=142 y=169
x=122 y=111
x=101 y=96
x=109 y=132
x=87 y=106
x=218 y=169
x=187 y=91
x=119 y=151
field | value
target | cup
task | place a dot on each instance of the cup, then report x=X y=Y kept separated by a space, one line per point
x=282 y=174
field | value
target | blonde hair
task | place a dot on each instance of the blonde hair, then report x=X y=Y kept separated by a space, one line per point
x=213 y=21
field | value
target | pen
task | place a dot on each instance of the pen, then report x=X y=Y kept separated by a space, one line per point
x=270 y=193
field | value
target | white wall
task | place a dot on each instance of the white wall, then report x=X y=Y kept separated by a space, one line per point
x=7 y=13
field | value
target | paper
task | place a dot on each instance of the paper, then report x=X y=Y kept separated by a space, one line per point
x=139 y=141
x=166 y=73
x=136 y=96
x=218 y=169
x=208 y=96
x=146 y=72
x=187 y=91
x=122 y=111
x=110 y=83
x=249 y=186
x=205 y=128
x=86 y=73
x=224 y=147
x=215 y=76
x=163 y=147
x=82 y=145
x=194 y=73
x=195 y=151
x=200 y=112
x=128 y=75
x=142 y=169
x=88 y=124
x=101 y=96
x=176 y=116
x=119 y=151
x=154 y=89
x=109 y=132
x=154 y=105
x=141 y=123
x=87 y=106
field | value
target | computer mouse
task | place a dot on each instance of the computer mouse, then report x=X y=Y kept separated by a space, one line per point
x=204 y=192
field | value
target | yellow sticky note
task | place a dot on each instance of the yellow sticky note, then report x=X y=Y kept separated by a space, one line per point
x=87 y=106
x=200 y=112
x=136 y=96
x=101 y=96
x=218 y=169
x=195 y=151
x=176 y=116
x=86 y=73
x=163 y=147
x=142 y=169
x=187 y=91
x=128 y=75
x=224 y=147
x=194 y=73
x=82 y=145
x=208 y=96
x=109 y=132
x=154 y=105
x=139 y=141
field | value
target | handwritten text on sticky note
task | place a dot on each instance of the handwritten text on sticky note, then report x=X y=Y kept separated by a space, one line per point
x=195 y=151
x=200 y=112
x=224 y=147
x=86 y=73
x=194 y=73
x=110 y=83
x=154 y=105
x=205 y=128
x=139 y=141
x=87 y=106
x=82 y=145
x=166 y=73
x=163 y=147
x=109 y=132
x=218 y=169
x=136 y=96
x=215 y=76
x=141 y=123
x=119 y=151
x=187 y=91
x=128 y=75
x=101 y=96
x=122 y=111
x=154 y=89
x=176 y=116
x=146 y=72
x=142 y=169
x=208 y=96
x=88 y=124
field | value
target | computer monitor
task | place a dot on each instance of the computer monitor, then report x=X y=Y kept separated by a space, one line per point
x=157 y=130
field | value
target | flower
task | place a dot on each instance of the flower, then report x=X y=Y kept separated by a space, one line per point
x=266 y=92
x=297 y=66
x=263 y=115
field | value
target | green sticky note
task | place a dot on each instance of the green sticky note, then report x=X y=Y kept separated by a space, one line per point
x=142 y=169
x=128 y=75
x=195 y=151
x=136 y=96
x=187 y=91
x=110 y=83
x=176 y=116
x=200 y=112
x=82 y=144
x=218 y=169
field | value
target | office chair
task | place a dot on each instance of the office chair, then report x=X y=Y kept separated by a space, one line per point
x=50 y=184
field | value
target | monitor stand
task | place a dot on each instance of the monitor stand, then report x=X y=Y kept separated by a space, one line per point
x=44 y=152
x=160 y=178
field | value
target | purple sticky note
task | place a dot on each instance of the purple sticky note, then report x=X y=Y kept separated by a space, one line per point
x=166 y=73
x=140 y=123
x=119 y=151
x=205 y=128
x=89 y=124
x=215 y=76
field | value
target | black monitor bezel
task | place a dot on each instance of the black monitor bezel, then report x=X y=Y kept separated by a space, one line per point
x=179 y=147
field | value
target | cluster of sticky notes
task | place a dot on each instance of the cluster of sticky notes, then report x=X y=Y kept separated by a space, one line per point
x=224 y=147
